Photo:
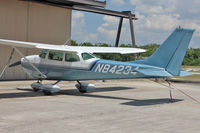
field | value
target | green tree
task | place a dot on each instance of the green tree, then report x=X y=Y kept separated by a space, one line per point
x=74 y=43
x=192 y=57
x=86 y=44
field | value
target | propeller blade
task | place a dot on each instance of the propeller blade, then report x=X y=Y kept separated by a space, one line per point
x=15 y=64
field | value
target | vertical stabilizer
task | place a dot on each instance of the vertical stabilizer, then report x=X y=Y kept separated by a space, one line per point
x=171 y=53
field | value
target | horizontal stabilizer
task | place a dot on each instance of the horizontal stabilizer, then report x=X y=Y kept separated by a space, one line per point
x=184 y=73
x=154 y=72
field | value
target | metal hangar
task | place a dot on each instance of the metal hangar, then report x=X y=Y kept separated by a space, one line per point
x=45 y=21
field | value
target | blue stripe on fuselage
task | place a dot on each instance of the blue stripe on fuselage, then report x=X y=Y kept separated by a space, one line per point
x=101 y=69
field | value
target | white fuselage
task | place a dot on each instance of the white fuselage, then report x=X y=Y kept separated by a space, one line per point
x=37 y=61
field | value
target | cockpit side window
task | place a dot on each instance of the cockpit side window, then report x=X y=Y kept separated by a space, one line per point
x=55 y=55
x=71 y=57
x=87 y=56
x=43 y=54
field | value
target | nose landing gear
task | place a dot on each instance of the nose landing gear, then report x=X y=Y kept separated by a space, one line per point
x=36 y=86
x=47 y=89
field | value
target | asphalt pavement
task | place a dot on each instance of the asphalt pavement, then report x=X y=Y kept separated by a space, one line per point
x=119 y=106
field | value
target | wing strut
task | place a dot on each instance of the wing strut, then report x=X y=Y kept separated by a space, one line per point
x=10 y=58
x=68 y=42
x=41 y=75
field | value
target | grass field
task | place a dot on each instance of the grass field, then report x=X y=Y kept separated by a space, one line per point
x=193 y=68
x=192 y=77
x=190 y=67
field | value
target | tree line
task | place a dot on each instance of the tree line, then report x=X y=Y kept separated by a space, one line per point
x=192 y=57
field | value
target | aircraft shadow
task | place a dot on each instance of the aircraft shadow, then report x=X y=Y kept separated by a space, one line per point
x=107 y=89
x=150 y=102
x=20 y=95
x=131 y=102
x=27 y=92
x=76 y=93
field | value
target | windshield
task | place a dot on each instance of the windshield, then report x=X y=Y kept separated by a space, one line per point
x=87 y=56
x=43 y=53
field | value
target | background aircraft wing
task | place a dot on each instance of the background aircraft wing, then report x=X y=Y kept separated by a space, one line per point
x=23 y=44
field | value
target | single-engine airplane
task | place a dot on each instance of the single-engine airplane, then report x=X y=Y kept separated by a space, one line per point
x=70 y=63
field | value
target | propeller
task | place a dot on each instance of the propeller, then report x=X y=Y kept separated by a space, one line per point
x=15 y=64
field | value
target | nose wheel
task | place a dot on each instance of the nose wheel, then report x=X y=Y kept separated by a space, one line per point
x=36 y=86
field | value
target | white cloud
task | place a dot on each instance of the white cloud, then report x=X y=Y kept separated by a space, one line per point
x=110 y=21
x=117 y=2
x=92 y=36
x=108 y=30
x=165 y=15
x=77 y=15
x=78 y=19
x=158 y=22
x=157 y=18
x=79 y=28
x=109 y=27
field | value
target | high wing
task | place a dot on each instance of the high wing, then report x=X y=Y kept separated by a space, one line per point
x=119 y=50
x=77 y=49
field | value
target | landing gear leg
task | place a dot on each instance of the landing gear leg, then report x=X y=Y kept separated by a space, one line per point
x=170 y=92
x=81 y=88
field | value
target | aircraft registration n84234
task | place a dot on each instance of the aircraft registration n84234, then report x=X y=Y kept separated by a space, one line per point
x=70 y=63
x=114 y=69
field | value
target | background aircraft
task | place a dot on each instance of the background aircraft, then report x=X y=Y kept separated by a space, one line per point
x=78 y=63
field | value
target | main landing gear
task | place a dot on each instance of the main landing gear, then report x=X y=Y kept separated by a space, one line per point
x=84 y=87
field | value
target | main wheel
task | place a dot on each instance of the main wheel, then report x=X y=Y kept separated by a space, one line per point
x=36 y=89
x=82 y=91
x=47 y=93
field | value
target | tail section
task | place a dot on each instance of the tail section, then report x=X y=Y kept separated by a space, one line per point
x=171 y=53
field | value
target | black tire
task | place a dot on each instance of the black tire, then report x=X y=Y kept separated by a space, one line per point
x=82 y=91
x=35 y=89
x=47 y=93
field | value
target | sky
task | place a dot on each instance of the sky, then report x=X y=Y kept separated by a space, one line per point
x=156 y=21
